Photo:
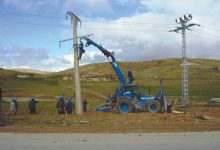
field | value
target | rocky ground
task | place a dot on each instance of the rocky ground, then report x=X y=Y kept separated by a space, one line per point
x=197 y=118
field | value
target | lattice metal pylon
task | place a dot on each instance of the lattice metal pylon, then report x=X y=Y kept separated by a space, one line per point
x=185 y=93
x=183 y=21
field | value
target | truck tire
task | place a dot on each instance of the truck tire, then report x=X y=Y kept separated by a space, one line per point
x=153 y=106
x=125 y=106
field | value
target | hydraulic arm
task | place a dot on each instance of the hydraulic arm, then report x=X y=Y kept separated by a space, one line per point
x=112 y=61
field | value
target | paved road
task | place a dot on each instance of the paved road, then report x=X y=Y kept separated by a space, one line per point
x=134 y=141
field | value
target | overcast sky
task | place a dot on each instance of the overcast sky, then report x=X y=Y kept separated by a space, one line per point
x=136 y=30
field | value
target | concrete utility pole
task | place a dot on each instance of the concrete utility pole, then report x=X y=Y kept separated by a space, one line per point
x=183 y=21
x=74 y=21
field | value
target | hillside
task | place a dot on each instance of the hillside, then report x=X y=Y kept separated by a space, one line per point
x=167 y=68
x=7 y=73
x=204 y=81
x=32 y=71
x=105 y=68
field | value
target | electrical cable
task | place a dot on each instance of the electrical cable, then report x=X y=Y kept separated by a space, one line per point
x=204 y=38
x=213 y=29
x=90 y=28
x=207 y=34
x=37 y=24
x=129 y=30
x=57 y=69
x=5 y=13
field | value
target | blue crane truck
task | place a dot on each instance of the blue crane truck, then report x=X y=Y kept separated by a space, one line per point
x=127 y=97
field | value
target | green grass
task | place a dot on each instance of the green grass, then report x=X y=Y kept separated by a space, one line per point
x=203 y=80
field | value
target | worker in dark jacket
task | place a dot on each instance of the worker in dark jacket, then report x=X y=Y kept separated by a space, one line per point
x=61 y=105
x=0 y=94
x=69 y=106
x=170 y=105
x=0 y=101
x=84 y=105
x=32 y=105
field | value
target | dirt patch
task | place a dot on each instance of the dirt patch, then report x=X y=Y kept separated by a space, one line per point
x=112 y=122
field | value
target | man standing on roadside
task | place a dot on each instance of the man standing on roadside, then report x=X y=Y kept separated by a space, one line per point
x=84 y=105
x=69 y=106
x=32 y=105
x=13 y=105
x=61 y=105
x=1 y=118
x=0 y=100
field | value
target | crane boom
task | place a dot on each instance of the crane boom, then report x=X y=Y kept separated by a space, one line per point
x=113 y=62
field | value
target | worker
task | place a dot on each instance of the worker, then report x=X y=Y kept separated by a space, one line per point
x=61 y=105
x=0 y=94
x=13 y=105
x=32 y=105
x=0 y=103
x=84 y=105
x=169 y=106
x=130 y=77
x=69 y=106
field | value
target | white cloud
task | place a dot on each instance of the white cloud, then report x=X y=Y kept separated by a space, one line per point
x=22 y=56
x=88 y=6
x=144 y=43
x=66 y=61
x=21 y=4
x=29 y=5
x=152 y=39
x=206 y=8
x=139 y=37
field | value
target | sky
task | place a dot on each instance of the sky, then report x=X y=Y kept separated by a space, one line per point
x=136 y=30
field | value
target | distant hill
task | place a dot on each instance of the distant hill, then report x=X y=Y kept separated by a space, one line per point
x=105 y=68
x=166 y=68
x=6 y=72
x=24 y=70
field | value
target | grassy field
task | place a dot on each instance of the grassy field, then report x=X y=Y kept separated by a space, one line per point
x=203 y=80
x=204 y=83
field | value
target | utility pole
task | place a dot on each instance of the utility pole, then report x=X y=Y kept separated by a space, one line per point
x=74 y=21
x=183 y=21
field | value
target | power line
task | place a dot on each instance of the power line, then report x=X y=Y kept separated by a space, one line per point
x=27 y=15
x=5 y=13
x=54 y=25
x=152 y=24
x=113 y=29
x=131 y=23
x=207 y=34
x=37 y=24
x=62 y=61
x=95 y=28
x=213 y=29
x=204 y=38
x=91 y=28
